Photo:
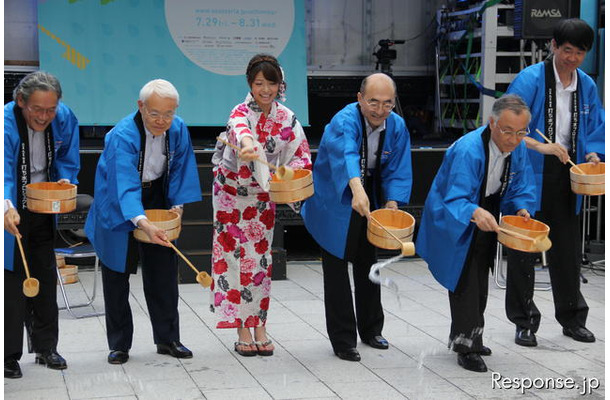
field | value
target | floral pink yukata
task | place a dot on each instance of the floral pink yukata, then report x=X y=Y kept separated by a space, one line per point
x=244 y=216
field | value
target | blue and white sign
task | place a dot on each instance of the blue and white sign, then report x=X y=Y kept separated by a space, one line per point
x=103 y=51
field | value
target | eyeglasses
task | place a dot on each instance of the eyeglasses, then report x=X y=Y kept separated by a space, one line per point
x=157 y=116
x=521 y=134
x=42 y=111
x=387 y=106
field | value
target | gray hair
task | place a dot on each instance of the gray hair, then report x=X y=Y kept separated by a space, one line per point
x=365 y=81
x=38 y=80
x=162 y=88
x=510 y=102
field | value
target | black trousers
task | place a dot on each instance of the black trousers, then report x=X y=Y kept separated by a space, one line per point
x=39 y=314
x=341 y=322
x=469 y=300
x=160 y=279
x=558 y=211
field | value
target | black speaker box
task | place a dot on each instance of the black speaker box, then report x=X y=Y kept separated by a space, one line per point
x=536 y=19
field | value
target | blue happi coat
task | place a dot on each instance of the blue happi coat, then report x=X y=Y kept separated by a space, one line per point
x=446 y=232
x=66 y=160
x=530 y=85
x=327 y=213
x=118 y=187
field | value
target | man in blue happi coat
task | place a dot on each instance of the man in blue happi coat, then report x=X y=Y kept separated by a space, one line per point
x=566 y=108
x=147 y=163
x=40 y=144
x=363 y=162
x=484 y=172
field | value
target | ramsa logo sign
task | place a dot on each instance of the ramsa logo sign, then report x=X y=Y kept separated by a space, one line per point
x=545 y=13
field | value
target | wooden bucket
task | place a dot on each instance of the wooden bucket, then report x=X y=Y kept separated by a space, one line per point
x=60 y=261
x=51 y=197
x=399 y=222
x=167 y=220
x=592 y=182
x=69 y=274
x=298 y=188
x=532 y=228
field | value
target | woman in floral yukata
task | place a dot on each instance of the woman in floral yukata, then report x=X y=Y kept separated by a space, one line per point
x=244 y=216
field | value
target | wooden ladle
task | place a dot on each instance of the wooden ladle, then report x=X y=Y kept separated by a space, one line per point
x=31 y=286
x=406 y=248
x=541 y=244
x=580 y=171
x=282 y=172
x=203 y=277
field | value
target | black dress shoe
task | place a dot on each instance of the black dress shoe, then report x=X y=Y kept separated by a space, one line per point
x=485 y=351
x=348 y=354
x=174 y=349
x=51 y=359
x=118 y=357
x=580 y=334
x=12 y=369
x=525 y=337
x=471 y=362
x=377 y=342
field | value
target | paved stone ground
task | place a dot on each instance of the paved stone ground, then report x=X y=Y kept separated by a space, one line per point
x=417 y=365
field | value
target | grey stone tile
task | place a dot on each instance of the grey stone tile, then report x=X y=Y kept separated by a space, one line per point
x=116 y=383
x=251 y=393
x=223 y=378
x=421 y=383
x=59 y=393
x=298 y=390
x=365 y=390
x=391 y=358
x=336 y=370
x=418 y=364
x=293 y=331
x=179 y=389
x=34 y=377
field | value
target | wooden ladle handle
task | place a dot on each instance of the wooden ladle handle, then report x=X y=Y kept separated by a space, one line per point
x=406 y=248
x=282 y=172
x=203 y=277
x=186 y=260
x=385 y=229
x=580 y=171
x=517 y=234
x=512 y=233
x=221 y=140
x=25 y=262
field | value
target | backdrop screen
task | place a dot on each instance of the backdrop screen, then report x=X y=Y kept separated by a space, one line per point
x=104 y=51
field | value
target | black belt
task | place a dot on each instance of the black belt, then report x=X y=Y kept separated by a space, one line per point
x=146 y=185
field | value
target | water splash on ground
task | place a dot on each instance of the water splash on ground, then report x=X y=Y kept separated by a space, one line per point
x=375 y=276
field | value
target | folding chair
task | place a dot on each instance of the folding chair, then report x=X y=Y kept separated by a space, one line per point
x=500 y=271
x=81 y=251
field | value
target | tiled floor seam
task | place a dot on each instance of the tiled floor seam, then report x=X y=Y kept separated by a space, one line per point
x=371 y=370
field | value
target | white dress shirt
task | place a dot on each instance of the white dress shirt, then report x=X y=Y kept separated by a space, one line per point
x=38 y=161
x=495 y=168
x=155 y=158
x=372 y=143
x=38 y=158
x=154 y=163
x=563 y=103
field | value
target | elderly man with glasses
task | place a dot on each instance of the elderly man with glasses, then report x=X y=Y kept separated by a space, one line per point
x=363 y=163
x=148 y=163
x=484 y=172
x=40 y=144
